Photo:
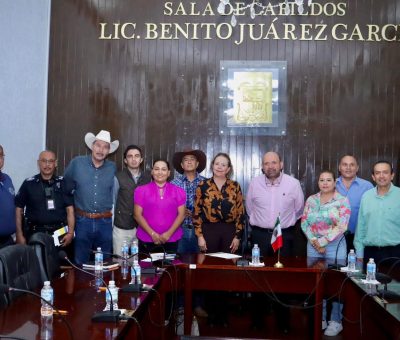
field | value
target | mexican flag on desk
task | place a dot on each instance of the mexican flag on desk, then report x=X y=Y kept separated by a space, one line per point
x=276 y=239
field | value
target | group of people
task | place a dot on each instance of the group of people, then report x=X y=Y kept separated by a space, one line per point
x=192 y=213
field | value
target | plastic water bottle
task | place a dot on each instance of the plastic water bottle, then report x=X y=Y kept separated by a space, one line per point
x=135 y=250
x=371 y=270
x=125 y=250
x=255 y=255
x=47 y=294
x=114 y=294
x=98 y=259
x=351 y=261
x=46 y=328
x=136 y=274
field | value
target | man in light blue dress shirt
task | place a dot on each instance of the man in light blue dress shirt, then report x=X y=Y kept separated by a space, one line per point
x=353 y=187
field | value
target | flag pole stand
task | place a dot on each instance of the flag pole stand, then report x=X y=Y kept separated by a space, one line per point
x=278 y=264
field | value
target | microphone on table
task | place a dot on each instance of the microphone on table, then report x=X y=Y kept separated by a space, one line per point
x=385 y=279
x=104 y=316
x=164 y=261
x=335 y=265
x=6 y=288
x=136 y=286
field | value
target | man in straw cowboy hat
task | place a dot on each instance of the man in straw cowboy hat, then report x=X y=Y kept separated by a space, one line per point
x=93 y=178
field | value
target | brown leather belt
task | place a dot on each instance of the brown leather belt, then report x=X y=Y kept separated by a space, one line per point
x=82 y=213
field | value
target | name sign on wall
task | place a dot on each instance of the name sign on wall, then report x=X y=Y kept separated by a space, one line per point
x=318 y=21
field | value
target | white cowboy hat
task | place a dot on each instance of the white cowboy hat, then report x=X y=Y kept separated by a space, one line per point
x=104 y=136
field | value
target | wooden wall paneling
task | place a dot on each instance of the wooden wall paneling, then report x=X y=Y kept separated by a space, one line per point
x=164 y=94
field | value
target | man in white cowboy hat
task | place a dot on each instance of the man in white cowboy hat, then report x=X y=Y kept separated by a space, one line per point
x=93 y=178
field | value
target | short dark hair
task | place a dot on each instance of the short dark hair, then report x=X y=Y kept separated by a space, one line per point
x=223 y=154
x=382 y=162
x=132 y=147
x=162 y=160
x=348 y=155
x=327 y=171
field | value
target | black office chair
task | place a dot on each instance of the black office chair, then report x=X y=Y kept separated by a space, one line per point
x=47 y=253
x=20 y=269
x=3 y=296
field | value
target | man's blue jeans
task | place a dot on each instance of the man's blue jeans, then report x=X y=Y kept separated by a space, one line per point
x=91 y=233
x=188 y=243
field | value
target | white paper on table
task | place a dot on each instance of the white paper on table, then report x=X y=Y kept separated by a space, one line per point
x=222 y=255
x=159 y=256
x=369 y=282
x=347 y=270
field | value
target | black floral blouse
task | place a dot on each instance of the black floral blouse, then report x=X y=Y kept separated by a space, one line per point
x=212 y=205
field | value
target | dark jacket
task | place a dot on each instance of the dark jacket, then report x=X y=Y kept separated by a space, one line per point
x=124 y=206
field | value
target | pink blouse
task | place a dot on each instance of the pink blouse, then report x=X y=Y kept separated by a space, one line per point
x=159 y=212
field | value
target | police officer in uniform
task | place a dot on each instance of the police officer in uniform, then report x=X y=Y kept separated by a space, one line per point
x=47 y=201
x=7 y=207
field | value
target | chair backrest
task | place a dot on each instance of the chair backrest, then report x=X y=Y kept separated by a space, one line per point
x=3 y=296
x=20 y=268
x=47 y=253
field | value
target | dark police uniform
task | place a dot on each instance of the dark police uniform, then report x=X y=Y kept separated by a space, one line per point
x=45 y=203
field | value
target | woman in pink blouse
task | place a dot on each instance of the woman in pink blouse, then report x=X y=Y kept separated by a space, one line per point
x=159 y=211
x=324 y=221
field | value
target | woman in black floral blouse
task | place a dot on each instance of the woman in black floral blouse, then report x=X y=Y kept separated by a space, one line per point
x=219 y=214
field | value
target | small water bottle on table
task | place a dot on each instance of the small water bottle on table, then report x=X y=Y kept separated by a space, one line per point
x=371 y=270
x=47 y=294
x=113 y=290
x=351 y=261
x=98 y=260
x=255 y=255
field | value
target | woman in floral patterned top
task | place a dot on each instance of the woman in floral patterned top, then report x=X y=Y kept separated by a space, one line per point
x=219 y=213
x=325 y=218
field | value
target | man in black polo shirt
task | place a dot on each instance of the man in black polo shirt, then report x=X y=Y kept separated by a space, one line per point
x=47 y=202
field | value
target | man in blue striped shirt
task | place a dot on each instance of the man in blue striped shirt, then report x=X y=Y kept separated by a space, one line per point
x=353 y=187
x=189 y=164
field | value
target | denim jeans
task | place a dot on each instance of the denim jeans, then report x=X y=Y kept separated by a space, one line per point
x=91 y=233
x=336 y=247
x=188 y=242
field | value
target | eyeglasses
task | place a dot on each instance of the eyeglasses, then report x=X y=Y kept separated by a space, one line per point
x=47 y=161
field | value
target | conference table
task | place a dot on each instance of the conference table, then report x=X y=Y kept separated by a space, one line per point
x=78 y=294
x=216 y=274
x=152 y=311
